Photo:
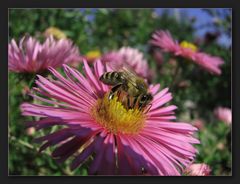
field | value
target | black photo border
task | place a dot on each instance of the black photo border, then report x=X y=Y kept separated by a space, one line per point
x=4 y=111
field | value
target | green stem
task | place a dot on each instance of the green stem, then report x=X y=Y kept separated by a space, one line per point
x=66 y=171
x=31 y=82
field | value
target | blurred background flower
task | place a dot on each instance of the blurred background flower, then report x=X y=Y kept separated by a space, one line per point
x=199 y=123
x=185 y=49
x=30 y=131
x=55 y=32
x=158 y=56
x=31 y=56
x=92 y=55
x=130 y=58
x=223 y=114
x=198 y=170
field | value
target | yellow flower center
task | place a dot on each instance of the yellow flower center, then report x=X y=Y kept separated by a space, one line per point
x=113 y=116
x=188 y=45
x=93 y=54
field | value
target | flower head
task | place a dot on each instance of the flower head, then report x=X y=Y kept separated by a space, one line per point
x=198 y=170
x=128 y=57
x=55 y=32
x=32 y=57
x=223 y=114
x=93 y=55
x=164 y=40
x=121 y=141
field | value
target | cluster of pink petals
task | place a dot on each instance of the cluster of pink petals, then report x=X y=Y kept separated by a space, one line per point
x=223 y=114
x=198 y=170
x=164 y=40
x=130 y=58
x=162 y=147
x=31 y=56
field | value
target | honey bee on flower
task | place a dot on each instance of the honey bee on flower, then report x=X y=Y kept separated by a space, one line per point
x=124 y=141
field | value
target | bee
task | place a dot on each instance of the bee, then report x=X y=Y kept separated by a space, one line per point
x=131 y=89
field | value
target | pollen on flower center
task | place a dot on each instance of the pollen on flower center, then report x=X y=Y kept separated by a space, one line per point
x=188 y=45
x=93 y=54
x=113 y=116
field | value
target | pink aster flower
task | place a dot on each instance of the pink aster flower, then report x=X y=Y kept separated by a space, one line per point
x=198 y=170
x=129 y=57
x=119 y=141
x=164 y=40
x=223 y=114
x=31 y=56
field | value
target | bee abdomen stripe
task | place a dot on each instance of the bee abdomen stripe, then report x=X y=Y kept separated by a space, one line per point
x=115 y=74
x=112 y=75
x=107 y=75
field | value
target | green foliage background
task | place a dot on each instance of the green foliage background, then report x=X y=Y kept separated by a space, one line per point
x=112 y=29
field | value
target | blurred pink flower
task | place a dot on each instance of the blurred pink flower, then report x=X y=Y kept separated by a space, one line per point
x=123 y=142
x=184 y=84
x=198 y=123
x=32 y=57
x=158 y=56
x=221 y=146
x=198 y=170
x=30 y=131
x=129 y=57
x=25 y=90
x=223 y=114
x=164 y=40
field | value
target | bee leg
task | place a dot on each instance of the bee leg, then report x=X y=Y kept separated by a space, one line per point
x=122 y=97
x=141 y=105
x=113 y=90
x=130 y=102
x=135 y=102
x=148 y=109
x=110 y=96
x=125 y=101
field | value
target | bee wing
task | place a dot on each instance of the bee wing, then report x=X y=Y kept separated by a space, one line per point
x=129 y=75
x=132 y=78
x=129 y=72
